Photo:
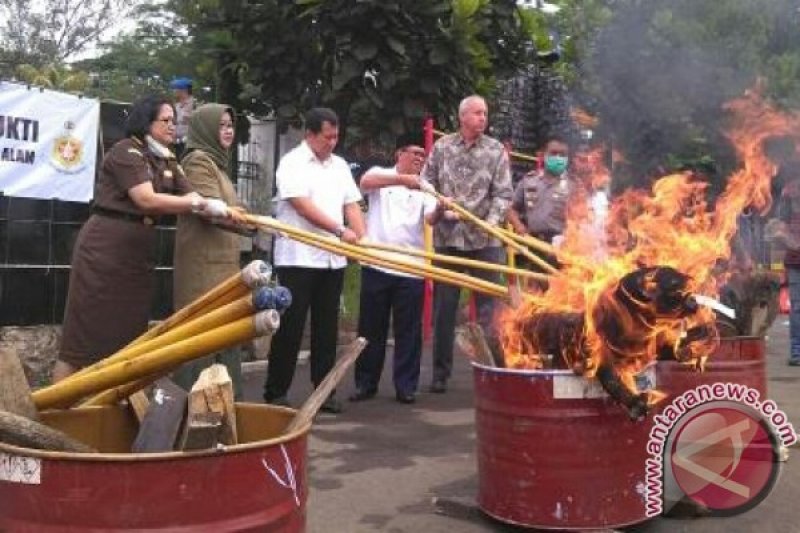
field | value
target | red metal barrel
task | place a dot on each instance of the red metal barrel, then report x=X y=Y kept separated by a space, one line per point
x=555 y=453
x=736 y=360
x=260 y=485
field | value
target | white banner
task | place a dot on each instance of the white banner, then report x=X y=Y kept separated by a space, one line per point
x=48 y=143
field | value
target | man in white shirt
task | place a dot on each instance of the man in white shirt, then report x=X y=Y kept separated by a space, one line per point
x=397 y=209
x=316 y=193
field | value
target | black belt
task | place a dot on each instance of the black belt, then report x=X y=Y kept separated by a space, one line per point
x=122 y=215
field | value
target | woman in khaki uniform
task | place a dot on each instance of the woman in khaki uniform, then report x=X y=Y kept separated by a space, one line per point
x=112 y=277
x=207 y=250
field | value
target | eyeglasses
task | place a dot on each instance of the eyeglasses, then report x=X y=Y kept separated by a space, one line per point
x=166 y=121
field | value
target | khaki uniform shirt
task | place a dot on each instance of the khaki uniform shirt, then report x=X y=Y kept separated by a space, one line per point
x=476 y=177
x=540 y=201
x=130 y=163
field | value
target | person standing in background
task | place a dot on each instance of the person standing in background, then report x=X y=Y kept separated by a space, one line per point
x=207 y=251
x=184 y=107
x=317 y=193
x=112 y=277
x=471 y=169
x=397 y=209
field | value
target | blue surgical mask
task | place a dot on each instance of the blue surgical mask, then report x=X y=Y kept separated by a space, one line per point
x=556 y=164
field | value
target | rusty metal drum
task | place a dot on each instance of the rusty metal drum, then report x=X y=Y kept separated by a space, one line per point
x=257 y=485
x=739 y=360
x=554 y=452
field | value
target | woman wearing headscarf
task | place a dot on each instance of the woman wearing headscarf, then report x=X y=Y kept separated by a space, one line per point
x=112 y=277
x=207 y=251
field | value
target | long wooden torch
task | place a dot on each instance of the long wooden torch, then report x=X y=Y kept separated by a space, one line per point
x=492 y=230
x=462 y=261
x=354 y=252
x=65 y=393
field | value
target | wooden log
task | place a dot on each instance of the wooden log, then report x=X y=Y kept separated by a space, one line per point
x=310 y=407
x=213 y=393
x=15 y=393
x=20 y=431
x=203 y=432
x=163 y=420
x=139 y=403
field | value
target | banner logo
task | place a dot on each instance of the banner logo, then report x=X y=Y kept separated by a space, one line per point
x=67 y=153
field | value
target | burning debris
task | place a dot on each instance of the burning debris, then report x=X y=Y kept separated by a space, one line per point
x=653 y=292
x=641 y=317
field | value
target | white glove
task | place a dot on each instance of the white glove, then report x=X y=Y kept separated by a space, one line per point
x=216 y=208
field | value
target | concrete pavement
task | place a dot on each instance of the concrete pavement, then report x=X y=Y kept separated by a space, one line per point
x=383 y=466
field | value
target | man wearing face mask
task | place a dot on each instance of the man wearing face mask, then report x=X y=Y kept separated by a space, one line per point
x=538 y=207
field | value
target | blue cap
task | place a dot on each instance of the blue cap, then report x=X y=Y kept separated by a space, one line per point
x=180 y=83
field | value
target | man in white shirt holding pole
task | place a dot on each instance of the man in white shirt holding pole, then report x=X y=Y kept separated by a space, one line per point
x=317 y=193
x=397 y=209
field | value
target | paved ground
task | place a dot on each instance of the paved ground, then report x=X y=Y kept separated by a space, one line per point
x=383 y=466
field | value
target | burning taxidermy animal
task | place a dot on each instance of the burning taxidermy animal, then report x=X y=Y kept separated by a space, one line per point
x=648 y=314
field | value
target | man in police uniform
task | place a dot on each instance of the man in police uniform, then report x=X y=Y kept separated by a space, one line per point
x=538 y=207
x=184 y=106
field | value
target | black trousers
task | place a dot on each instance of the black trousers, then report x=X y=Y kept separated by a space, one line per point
x=445 y=308
x=385 y=296
x=317 y=290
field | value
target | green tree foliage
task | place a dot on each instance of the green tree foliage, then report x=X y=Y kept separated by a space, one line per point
x=144 y=61
x=381 y=64
x=48 y=32
x=54 y=77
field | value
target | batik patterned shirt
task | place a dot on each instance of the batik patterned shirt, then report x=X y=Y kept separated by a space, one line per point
x=476 y=177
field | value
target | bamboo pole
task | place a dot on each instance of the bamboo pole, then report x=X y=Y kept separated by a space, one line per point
x=427 y=271
x=121 y=392
x=68 y=392
x=491 y=230
x=360 y=254
x=463 y=261
x=243 y=306
x=532 y=242
x=254 y=275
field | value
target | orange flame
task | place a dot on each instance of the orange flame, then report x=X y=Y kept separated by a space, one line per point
x=671 y=226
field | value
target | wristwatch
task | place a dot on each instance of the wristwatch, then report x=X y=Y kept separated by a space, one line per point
x=196 y=205
x=339 y=231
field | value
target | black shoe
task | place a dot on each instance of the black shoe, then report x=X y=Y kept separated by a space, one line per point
x=794 y=361
x=332 y=406
x=439 y=386
x=405 y=397
x=279 y=400
x=361 y=395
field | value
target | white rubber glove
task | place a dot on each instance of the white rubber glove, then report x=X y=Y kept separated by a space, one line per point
x=216 y=208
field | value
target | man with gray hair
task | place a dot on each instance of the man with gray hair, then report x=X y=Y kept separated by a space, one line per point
x=471 y=169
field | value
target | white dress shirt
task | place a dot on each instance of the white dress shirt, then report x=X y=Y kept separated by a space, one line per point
x=395 y=216
x=329 y=185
